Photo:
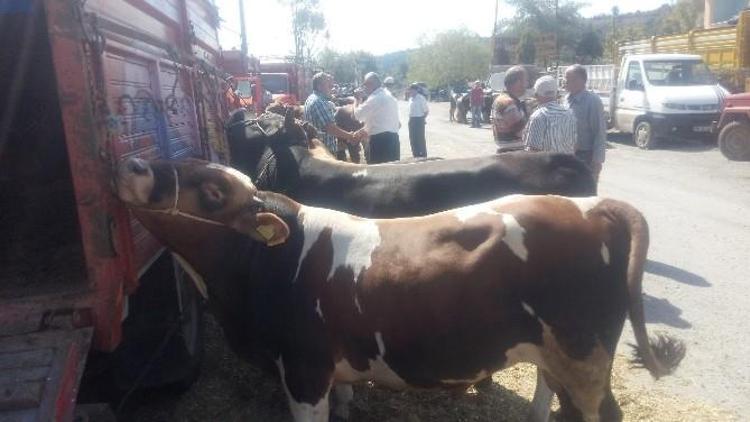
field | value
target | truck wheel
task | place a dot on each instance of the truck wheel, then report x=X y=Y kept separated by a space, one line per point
x=734 y=141
x=163 y=334
x=643 y=135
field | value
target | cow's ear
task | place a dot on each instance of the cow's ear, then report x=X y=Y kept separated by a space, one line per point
x=264 y=227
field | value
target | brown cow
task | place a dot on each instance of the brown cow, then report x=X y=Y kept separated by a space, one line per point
x=344 y=118
x=298 y=112
x=437 y=301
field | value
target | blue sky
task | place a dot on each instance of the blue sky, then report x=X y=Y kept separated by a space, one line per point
x=378 y=26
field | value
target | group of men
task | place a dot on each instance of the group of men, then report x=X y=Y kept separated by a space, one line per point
x=377 y=109
x=574 y=125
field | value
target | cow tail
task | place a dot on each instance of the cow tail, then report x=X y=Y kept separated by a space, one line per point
x=660 y=354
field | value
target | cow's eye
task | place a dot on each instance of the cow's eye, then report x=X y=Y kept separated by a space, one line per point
x=213 y=198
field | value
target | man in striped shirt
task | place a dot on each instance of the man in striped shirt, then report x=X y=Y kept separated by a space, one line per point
x=552 y=127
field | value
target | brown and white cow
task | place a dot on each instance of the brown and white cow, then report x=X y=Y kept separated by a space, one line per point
x=437 y=301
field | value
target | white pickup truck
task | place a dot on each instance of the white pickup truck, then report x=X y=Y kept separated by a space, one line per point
x=656 y=96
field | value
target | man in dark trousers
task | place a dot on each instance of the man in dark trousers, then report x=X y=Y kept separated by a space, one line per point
x=477 y=102
x=379 y=113
x=418 y=111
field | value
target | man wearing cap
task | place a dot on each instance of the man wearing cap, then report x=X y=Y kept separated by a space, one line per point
x=552 y=127
x=509 y=112
x=476 y=101
x=390 y=85
x=418 y=111
x=379 y=113
x=319 y=111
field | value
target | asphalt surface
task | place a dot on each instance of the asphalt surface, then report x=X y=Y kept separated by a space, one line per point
x=697 y=282
x=696 y=287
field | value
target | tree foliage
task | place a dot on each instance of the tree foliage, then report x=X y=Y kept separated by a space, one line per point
x=540 y=17
x=307 y=23
x=685 y=15
x=589 y=47
x=347 y=67
x=450 y=58
x=526 y=51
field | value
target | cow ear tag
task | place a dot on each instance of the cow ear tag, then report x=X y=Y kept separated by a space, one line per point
x=264 y=227
x=271 y=228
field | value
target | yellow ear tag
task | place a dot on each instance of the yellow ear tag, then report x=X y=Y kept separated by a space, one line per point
x=267 y=231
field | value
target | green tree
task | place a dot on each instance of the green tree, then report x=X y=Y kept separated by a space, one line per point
x=542 y=17
x=347 y=67
x=307 y=23
x=590 y=46
x=685 y=15
x=526 y=49
x=450 y=58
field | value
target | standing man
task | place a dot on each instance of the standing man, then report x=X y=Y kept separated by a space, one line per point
x=319 y=111
x=509 y=112
x=552 y=127
x=390 y=85
x=589 y=112
x=418 y=111
x=476 y=101
x=379 y=113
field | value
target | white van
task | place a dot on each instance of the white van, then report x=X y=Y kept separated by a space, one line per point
x=655 y=96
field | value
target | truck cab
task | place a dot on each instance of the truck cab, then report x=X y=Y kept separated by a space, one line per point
x=279 y=87
x=658 y=96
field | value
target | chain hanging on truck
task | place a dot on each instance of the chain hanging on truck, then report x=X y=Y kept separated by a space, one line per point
x=94 y=44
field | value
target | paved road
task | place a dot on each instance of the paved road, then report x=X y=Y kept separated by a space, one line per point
x=697 y=285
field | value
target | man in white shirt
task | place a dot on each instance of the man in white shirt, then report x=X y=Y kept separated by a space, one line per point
x=418 y=111
x=379 y=113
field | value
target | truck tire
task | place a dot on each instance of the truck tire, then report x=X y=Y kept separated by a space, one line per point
x=163 y=334
x=734 y=141
x=643 y=135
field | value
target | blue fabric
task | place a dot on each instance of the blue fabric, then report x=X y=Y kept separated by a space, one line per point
x=319 y=111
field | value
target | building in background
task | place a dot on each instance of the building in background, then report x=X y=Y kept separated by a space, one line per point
x=719 y=11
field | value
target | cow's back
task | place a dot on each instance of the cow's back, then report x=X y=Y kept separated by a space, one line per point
x=390 y=191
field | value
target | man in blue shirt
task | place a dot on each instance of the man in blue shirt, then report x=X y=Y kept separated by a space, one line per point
x=319 y=111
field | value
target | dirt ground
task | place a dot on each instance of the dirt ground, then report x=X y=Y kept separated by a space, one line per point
x=229 y=390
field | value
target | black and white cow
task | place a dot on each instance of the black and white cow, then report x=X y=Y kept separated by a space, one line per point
x=277 y=154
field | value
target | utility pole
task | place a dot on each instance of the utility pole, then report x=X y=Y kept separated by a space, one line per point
x=494 y=23
x=557 y=37
x=243 y=31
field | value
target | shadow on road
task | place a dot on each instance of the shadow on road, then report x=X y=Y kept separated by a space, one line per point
x=663 y=312
x=676 y=274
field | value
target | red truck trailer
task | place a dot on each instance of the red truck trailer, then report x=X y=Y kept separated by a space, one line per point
x=84 y=85
x=289 y=83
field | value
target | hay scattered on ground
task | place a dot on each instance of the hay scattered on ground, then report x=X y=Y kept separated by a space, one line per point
x=230 y=390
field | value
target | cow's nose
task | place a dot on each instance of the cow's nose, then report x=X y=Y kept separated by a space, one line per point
x=137 y=166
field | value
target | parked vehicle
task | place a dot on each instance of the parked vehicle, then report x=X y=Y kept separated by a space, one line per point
x=289 y=83
x=657 y=96
x=734 y=128
x=84 y=85
x=724 y=49
x=245 y=71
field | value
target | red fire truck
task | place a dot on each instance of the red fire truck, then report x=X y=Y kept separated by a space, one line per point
x=85 y=85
